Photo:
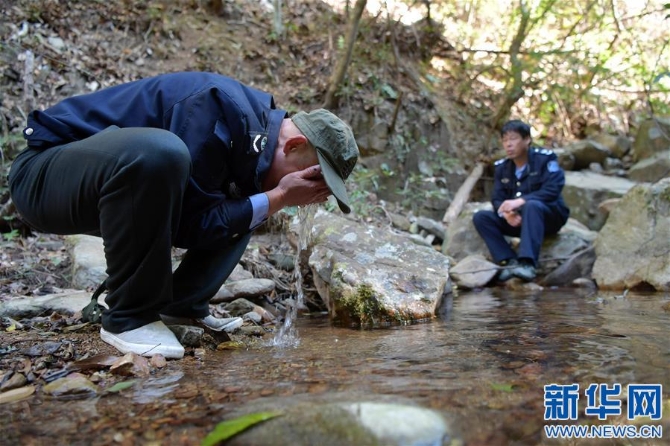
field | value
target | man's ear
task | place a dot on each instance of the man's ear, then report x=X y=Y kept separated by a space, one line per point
x=295 y=143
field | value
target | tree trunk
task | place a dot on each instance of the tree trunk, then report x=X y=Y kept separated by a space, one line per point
x=340 y=70
x=463 y=195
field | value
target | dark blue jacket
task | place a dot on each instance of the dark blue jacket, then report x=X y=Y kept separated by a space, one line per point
x=542 y=180
x=231 y=132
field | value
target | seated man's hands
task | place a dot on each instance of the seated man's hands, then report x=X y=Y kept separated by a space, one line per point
x=509 y=211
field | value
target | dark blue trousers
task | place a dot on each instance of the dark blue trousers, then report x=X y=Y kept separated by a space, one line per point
x=126 y=186
x=537 y=221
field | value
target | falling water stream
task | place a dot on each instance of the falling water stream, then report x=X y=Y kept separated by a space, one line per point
x=287 y=336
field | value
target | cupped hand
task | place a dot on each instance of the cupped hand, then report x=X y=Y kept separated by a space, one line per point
x=302 y=187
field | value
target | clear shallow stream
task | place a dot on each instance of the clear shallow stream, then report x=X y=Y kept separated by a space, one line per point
x=483 y=363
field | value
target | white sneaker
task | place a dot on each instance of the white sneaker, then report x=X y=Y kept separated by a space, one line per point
x=227 y=324
x=147 y=340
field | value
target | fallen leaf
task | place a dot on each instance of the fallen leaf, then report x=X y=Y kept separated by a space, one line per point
x=227 y=429
x=16 y=394
x=121 y=386
x=502 y=387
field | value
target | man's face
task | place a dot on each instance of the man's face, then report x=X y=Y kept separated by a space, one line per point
x=515 y=145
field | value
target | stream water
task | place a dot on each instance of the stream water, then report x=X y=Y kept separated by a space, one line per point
x=483 y=363
x=287 y=335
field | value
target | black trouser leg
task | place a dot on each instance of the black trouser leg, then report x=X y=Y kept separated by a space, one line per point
x=125 y=185
x=537 y=221
x=200 y=275
x=493 y=230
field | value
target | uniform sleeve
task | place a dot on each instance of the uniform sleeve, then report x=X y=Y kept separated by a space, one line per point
x=499 y=194
x=210 y=219
x=551 y=182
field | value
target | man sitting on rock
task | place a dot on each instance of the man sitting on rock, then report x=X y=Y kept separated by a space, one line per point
x=526 y=200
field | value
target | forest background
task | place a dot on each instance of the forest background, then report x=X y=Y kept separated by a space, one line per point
x=426 y=84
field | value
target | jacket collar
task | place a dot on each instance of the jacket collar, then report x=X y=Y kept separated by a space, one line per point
x=275 y=119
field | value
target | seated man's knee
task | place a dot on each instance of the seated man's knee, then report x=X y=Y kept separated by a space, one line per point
x=482 y=218
x=533 y=206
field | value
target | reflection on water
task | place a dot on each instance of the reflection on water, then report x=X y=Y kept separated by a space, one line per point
x=483 y=363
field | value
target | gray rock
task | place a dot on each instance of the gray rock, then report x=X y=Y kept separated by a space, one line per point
x=89 y=267
x=584 y=191
x=188 y=335
x=240 y=307
x=619 y=146
x=243 y=288
x=632 y=249
x=68 y=302
x=371 y=277
x=651 y=169
x=576 y=267
x=462 y=237
x=653 y=136
x=586 y=152
x=473 y=272
x=433 y=227
x=349 y=423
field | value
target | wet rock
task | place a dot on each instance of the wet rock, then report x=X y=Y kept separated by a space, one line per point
x=473 y=272
x=360 y=423
x=369 y=276
x=559 y=248
x=632 y=248
x=131 y=364
x=577 y=266
x=74 y=384
x=584 y=283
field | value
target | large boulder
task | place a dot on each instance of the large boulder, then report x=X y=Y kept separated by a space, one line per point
x=651 y=169
x=653 y=136
x=619 y=146
x=585 y=190
x=632 y=249
x=586 y=152
x=371 y=277
x=462 y=239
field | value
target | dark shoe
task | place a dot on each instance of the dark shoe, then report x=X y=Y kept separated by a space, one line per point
x=506 y=271
x=525 y=271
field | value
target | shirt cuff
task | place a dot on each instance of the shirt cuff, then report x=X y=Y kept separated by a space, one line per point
x=261 y=205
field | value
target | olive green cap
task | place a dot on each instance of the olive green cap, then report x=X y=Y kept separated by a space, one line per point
x=335 y=147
